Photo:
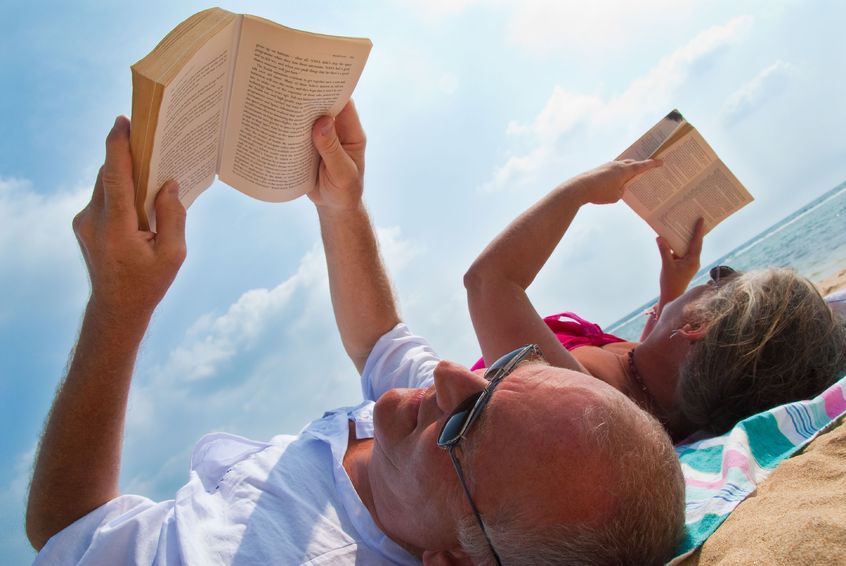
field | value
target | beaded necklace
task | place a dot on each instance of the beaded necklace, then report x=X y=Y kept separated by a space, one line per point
x=652 y=403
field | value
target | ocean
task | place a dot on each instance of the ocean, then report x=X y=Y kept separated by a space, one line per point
x=812 y=241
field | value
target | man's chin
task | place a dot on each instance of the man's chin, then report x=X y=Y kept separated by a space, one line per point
x=398 y=411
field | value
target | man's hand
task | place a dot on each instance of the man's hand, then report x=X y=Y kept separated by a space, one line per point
x=78 y=461
x=605 y=184
x=677 y=271
x=130 y=269
x=340 y=142
x=361 y=292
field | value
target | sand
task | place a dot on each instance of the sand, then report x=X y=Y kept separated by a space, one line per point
x=797 y=516
x=834 y=283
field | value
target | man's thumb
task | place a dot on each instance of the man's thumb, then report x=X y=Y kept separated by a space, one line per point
x=329 y=146
x=170 y=218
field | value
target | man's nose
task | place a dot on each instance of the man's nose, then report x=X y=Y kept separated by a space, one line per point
x=454 y=383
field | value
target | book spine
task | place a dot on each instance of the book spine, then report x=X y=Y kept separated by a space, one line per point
x=233 y=63
x=146 y=102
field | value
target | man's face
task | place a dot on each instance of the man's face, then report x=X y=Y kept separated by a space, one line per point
x=527 y=448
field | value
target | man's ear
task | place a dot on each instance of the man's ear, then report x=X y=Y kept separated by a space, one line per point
x=446 y=558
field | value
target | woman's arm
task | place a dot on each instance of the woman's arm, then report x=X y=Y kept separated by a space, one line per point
x=496 y=282
x=676 y=273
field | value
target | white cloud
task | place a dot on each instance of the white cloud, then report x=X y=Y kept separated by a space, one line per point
x=22 y=471
x=649 y=95
x=655 y=89
x=542 y=26
x=564 y=111
x=270 y=363
x=33 y=223
x=211 y=341
x=766 y=84
x=436 y=11
x=297 y=306
x=396 y=252
x=37 y=247
x=13 y=501
x=448 y=83
x=415 y=71
x=518 y=170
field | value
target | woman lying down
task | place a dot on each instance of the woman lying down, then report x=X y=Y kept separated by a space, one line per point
x=709 y=356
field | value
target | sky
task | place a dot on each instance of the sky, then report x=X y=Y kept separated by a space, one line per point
x=473 y=111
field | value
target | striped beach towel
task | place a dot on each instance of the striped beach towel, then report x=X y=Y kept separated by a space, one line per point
x=721 y=472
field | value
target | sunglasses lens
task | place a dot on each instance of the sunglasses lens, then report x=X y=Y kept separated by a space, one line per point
x=455 y=423
x=459 y=420
x=505 y=360
x=721 y=272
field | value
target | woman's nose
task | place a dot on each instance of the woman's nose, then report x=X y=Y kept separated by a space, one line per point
x=454 y=383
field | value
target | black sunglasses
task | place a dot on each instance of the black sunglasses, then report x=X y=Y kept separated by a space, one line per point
x=721 y=272
x=468 y=411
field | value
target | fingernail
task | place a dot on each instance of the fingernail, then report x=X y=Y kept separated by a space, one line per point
x=120 y=125
x=326 y=128
x=172 y=187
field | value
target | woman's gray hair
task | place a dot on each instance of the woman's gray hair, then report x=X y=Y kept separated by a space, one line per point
x=645 y=522
x=770 y=339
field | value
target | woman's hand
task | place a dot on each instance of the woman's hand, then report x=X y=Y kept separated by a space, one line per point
x=677 y=271
x=606 y=183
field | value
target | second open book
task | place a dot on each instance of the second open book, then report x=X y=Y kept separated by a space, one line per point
x=692 y=183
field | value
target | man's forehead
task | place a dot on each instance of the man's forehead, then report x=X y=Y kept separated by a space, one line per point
x=523 y=367
x=532 y=430
x=537 y=397
x=538 y=374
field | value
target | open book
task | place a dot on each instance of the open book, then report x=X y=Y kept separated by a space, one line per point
x=693 y=182
x=235 y=95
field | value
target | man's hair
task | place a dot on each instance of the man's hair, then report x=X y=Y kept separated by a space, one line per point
x=645 y=520
x=770 y=339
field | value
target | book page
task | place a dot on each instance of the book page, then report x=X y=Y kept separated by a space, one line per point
x=715 y=195
x=646 y=145
x=692 y=183
x=284 y=80
x=187 y=137
x=683 y=161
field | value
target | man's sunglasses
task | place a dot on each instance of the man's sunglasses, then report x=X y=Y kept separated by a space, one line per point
x=468 y=411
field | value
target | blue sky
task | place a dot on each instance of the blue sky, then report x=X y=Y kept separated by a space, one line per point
x=473 y=110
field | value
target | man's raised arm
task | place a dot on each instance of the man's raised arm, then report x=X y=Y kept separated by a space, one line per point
x=361 y=292
x=78 y=460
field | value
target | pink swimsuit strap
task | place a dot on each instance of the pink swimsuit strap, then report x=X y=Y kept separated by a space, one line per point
x=572 y=334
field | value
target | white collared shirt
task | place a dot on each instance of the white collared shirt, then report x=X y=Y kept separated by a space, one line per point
x=286 y=501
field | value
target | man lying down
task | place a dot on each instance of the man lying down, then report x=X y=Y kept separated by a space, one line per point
x=525 y=464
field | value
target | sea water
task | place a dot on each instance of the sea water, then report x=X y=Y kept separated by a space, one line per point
x=812 y=241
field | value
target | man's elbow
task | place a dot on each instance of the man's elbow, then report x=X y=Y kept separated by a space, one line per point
x=43 y=520
x=482 y=283
x=473 y=279
x=36 y=531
